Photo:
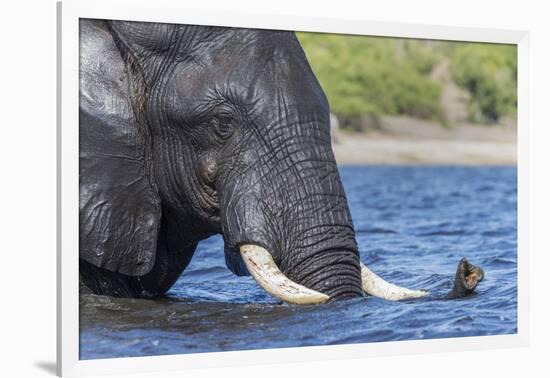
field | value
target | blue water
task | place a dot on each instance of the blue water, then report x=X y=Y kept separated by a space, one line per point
x=413 y=225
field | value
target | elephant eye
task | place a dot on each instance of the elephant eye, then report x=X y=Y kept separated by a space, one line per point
x=223 y=127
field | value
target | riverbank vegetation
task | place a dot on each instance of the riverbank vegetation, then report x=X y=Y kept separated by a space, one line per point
x=489 y=73
x=366 y=77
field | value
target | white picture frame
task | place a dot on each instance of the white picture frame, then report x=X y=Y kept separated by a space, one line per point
x=174 y=11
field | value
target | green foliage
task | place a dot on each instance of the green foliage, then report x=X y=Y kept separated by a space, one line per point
x=489 y=73
x=365 y=76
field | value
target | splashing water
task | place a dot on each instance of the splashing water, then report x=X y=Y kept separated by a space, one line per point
x=413 y=224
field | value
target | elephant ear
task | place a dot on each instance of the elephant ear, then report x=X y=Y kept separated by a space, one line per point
x=119 y=206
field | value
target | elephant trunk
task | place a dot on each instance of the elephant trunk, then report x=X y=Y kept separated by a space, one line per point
x=286 y=221
x=326 y=260
x=297 y=216
x=264 y=270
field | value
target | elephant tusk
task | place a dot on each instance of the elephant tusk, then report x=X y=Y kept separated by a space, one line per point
x=376 y=286
x=266 y=273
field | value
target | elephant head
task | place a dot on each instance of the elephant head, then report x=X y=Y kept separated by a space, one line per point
x=189 y=131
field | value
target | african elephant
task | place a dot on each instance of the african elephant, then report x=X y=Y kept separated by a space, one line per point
x=189 y=131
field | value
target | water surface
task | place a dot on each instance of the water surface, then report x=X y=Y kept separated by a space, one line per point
x=413 y=225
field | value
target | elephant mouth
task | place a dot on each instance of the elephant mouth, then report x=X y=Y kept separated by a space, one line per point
x=267 y=274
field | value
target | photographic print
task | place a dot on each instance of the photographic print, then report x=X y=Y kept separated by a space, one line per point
x=254 y=189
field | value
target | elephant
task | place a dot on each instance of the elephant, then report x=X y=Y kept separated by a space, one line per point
x=189 y=131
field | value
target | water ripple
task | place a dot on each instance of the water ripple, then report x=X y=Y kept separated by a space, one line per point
x=413 y=226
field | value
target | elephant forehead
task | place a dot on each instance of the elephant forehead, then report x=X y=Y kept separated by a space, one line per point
x=188 y=92
x=264 y=71
x=280 y=84
x=150 y=36
x=272 y=69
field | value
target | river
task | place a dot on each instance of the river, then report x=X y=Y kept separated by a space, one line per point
x=413 y=225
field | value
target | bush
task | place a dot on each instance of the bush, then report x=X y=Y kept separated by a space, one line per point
x=371 y=76
x=489 y=73
x=366 y=77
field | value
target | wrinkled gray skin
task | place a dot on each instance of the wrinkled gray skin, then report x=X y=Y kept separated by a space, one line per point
x=189 y=131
